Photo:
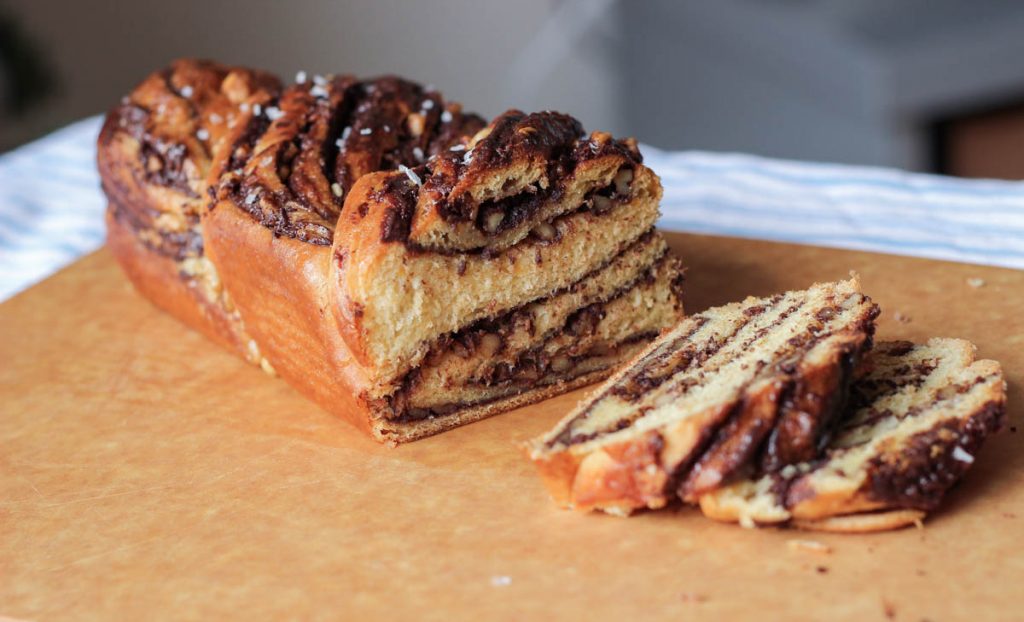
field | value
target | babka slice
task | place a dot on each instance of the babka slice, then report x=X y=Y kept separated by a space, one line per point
x=750 y=384
x=922 y=413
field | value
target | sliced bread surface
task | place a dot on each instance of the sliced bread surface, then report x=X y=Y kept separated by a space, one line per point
x=757 y=382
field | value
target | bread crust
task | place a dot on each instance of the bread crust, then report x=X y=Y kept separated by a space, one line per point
x=158 y=278
x=867 y=522
x=285 y=298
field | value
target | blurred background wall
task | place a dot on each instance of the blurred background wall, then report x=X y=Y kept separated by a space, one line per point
x=857 y=81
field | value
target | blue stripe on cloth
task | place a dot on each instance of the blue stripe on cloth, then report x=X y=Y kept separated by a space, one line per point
x=859 y=207
x=51 y=207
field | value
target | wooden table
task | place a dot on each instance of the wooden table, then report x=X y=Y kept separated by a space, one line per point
x=145 y=474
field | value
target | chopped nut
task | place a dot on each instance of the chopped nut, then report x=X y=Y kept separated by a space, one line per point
x=493 y=220
x=482 y=134
x=623 y=179
x=415 y=123
x=560 y=363
x=545 y=231
x=812 y=546
x=490 y=343
x=602 y=204
x=336 y=189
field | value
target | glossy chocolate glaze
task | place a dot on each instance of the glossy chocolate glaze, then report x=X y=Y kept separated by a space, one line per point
x=293 y=171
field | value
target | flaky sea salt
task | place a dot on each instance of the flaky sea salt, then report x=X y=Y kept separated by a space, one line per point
x=413 y=177
x=202 y=134
x=501 y=580
x=446 y=116
x=274 y=113
x=300 y=78
x=186 y=91
x=365 y=131
x=959 y=453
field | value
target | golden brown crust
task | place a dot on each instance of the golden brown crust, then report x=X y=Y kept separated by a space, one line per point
x=868 y=522
x=283 y=299
x=157 y=278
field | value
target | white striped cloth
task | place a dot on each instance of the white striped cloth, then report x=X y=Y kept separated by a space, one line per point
x=51 y=207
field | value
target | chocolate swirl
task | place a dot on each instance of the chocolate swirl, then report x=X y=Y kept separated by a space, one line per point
x=158 y=145
x=292 y=167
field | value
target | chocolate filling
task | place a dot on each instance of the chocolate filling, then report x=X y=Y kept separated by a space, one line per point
x=918 y=475
x=341 y=130
x=468 y=338
x=531 y=364
x=176 y=245
x=926 y=466
x=533 y=371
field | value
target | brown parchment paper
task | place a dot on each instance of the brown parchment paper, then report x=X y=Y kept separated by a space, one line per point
x=146 y=474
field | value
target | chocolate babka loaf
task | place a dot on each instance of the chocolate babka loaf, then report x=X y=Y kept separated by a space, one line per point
x=918 y=420
x=755 y=385
x=403 y=263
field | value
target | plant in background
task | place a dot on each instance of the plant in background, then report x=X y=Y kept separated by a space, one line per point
x=26 y=77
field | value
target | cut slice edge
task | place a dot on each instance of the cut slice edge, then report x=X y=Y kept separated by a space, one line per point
x=634 y=463
x=885 y=460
